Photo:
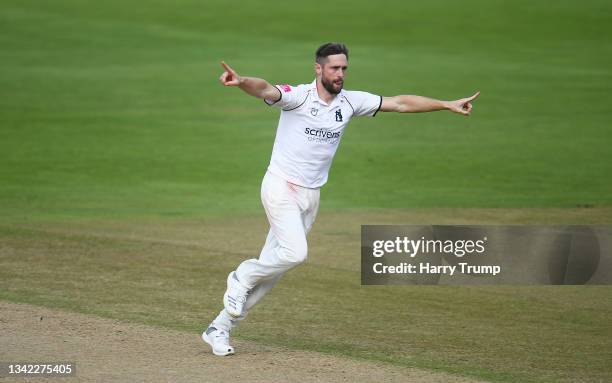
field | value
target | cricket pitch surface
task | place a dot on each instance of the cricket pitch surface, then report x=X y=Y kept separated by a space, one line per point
x=107 y=350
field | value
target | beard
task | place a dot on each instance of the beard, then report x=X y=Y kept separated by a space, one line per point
x=330 y=86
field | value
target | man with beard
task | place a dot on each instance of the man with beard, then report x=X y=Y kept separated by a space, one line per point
x=312 y=121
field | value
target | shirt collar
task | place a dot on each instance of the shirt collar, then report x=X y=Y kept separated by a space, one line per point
x=315 y=94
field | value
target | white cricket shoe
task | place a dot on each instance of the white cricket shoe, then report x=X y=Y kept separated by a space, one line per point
x=219 y=341
x=235 y=296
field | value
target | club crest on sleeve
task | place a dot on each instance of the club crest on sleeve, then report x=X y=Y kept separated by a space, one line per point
x=286 y=88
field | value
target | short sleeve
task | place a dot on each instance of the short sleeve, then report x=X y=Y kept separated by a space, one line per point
x=363 y=103
x=291 y=97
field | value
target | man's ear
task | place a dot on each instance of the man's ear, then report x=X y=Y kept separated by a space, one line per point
x=318 y=69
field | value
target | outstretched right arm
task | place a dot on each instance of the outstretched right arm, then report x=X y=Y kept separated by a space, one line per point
x=256 y=87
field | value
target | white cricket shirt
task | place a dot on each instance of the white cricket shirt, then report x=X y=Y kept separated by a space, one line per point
x=309 y=131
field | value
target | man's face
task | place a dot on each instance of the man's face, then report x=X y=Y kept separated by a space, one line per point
x=332 y=72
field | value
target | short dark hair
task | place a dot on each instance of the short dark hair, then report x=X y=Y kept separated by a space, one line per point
x=329 y=49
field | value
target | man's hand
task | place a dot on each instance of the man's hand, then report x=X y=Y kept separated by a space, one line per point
x=462 y=106
x=229 y=77
x=251 y=85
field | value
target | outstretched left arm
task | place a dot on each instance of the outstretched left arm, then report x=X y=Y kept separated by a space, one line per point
x=417 y=104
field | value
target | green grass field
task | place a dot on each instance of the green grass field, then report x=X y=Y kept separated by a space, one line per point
x=129 y=177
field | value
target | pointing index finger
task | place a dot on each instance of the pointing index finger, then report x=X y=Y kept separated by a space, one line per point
x=226 y=67
x=474 y=96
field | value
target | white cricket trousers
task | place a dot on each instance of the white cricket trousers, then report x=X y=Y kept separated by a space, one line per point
x=291 y=211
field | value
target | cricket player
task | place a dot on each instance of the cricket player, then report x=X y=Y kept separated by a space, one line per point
x=313 y=118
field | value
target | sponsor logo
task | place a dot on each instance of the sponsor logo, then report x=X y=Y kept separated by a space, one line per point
x=286 y=88
x=321 y=133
